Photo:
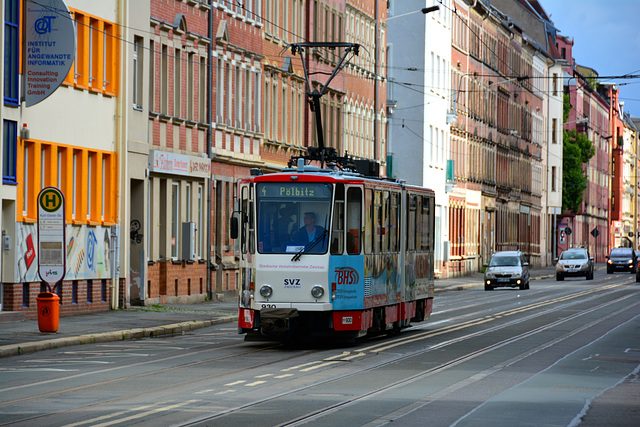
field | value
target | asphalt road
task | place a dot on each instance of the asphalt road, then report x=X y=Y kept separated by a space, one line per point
x=550 y=355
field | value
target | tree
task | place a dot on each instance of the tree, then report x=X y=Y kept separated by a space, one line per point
x=577 y=151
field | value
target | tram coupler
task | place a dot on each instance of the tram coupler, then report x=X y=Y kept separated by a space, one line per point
x=277 y=321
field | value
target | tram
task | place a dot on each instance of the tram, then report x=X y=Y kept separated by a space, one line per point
x=325 y=252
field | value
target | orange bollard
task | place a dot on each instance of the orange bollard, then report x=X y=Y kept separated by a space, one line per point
x=48 y=312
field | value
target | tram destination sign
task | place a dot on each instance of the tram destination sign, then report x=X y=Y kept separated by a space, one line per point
x=51 y=236
x=302 y=190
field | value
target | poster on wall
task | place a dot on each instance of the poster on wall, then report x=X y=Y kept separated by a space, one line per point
x=88 y=252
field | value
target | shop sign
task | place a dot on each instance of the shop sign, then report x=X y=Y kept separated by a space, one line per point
x=179 y=164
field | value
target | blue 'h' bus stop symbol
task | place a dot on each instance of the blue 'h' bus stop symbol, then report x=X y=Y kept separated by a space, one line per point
x=43 y=25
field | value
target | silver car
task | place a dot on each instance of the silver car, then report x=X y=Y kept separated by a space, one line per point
x=509 y=268
x=574 y=262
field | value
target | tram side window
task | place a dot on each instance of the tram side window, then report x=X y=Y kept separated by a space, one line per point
x=377 y=221
x=244 y=211
x=385 y=222
x=337 y=233
x=252 y=230
x=393 y=223
x=425 y=228
x=411 y=223
x=368 y=228
x=418 y=232
x=354 y=220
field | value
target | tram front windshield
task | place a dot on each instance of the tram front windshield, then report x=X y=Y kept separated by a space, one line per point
x=293 y=217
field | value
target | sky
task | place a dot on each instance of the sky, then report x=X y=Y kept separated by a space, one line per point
x=606 y=36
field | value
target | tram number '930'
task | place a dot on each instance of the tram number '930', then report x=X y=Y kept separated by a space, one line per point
x=268 y=306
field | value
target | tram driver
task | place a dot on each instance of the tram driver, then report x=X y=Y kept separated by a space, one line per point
x=310 y=232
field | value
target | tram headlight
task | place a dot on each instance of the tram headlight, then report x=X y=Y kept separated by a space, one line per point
x=317 y=291
x=266 y=291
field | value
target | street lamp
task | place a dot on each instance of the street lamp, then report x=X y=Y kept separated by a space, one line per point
x=578 y=121
x=424 y=10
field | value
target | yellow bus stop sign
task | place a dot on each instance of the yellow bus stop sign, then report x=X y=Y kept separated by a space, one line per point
x=51 y=236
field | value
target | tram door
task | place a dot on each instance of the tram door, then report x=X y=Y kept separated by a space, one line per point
x=246 y=240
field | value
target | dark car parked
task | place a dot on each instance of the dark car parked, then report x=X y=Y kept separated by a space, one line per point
x=622 y=259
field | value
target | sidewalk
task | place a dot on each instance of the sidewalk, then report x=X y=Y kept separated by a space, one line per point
x=20 y=337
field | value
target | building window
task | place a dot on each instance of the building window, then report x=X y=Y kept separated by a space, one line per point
x=202 y=90
x=188 y=200
x=138 y=66
x=103 y=290
x=229 y=93
x=175 y=217
x=247 y=98
x=267 y=111
x=96 y=59
x=90 y=182
x=190 y=86
x=74 y=292
x=109 y=56
x=152 y=76
x=164 y=81
x=74 y=182
x=95 y=43
x=220 y=91
x=554 y=131
x=9 y=151
x=257 y=111
x=11 y=51
x=238 y=97
x=553 y=178
x=83 y=175
x=555 y=84
x=177 y=83
x=89 y=291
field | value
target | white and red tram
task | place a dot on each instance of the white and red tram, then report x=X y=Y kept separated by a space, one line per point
x=368 y=269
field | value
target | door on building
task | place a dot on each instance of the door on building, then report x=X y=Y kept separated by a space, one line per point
x=137 y=257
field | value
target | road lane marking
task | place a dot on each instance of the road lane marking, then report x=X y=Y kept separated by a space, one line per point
x=321 y=365
x=211 y=390
x=235 y=383
x=338 y=356
x=292 y=368
x=147 y=413
x=111 y=415
x=353 y=356
x=283 y=376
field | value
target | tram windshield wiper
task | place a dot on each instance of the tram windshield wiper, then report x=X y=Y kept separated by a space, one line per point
x=310 y=246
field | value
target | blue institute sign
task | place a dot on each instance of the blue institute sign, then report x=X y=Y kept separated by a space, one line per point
x=50 y=47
